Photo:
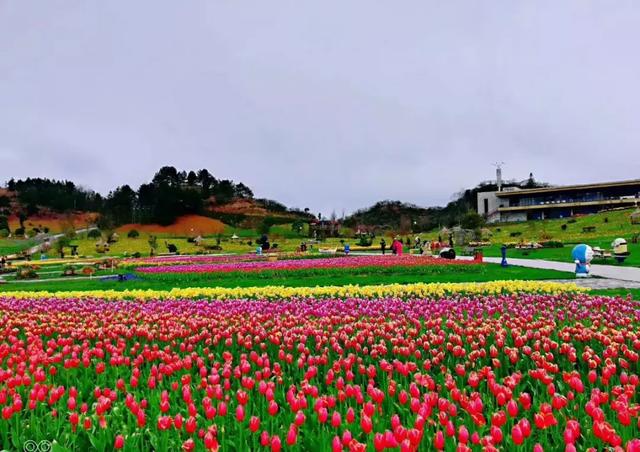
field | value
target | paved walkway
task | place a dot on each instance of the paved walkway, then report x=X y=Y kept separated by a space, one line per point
x=608 y=276
x=601 y=283
x=603 y=271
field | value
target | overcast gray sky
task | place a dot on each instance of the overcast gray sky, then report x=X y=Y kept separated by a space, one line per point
x=327 y=105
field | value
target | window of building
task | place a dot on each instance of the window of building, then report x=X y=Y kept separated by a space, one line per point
x=486 y=206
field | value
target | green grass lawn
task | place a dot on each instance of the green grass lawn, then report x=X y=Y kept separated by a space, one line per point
x=11 y=246
x=282 y=235
x=635 y=293
x=608 y=225
x=564 y=254
x=487 y=272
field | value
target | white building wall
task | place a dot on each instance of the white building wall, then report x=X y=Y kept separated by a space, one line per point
x=513 y=216
x=491 y=204
x=490 y=207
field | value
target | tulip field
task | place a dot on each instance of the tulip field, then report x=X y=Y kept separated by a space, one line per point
x=261 y=265
x=499 y=366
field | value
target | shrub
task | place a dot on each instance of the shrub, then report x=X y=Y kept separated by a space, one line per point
x=88 y=270
x=472 y=220
x=545 y=236
x=46 y=230
x=19 y=231
x=26 y=272
x=133 y=234
x=552 y=244
x=606 y=219
x=69 y=270
x=4 y=233
x=94 y=234
x=563 y=227
x=515 y=234
x=571 y=220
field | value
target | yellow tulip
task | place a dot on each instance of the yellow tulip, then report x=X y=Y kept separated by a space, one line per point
x=417 y=290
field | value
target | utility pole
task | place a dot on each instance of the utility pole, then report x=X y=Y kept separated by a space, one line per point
x=498 y=166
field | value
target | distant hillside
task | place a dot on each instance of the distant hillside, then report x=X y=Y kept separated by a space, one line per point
x=405 y=217
x=170 y=195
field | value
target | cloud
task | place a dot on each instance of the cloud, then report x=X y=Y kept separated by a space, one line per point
x=328 y=106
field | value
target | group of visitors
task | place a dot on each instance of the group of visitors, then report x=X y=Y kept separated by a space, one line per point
x=419 y=244
x=396 y=246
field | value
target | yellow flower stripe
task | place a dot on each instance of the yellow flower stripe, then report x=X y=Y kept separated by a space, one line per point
x=418 y=290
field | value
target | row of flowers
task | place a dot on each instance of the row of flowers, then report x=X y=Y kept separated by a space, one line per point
x=161 y=261
x=189 y=259
x=300 y=264
x=512 y=371
x=401 y=291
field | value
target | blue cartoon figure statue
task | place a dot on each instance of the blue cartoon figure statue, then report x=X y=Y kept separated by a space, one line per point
x=582 y=255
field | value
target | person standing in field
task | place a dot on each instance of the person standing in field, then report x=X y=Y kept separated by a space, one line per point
x=383 y=246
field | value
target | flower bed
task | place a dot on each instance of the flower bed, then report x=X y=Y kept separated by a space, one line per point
x=402 y=291
x=300 y=264
x=185 y=259
x=530 y=372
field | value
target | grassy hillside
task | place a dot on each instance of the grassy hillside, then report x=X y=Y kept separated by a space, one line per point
x=570 y=231
x=11 y=246
x=608 y=225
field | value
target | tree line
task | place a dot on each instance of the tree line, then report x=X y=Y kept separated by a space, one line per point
x=170 y=194
x=405 y=217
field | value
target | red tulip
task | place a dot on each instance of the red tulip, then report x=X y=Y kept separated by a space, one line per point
x=292 y=435
x=496 y=434
x=240 y=413
x=336 y=444
x=254 y=424
x=336 y=420
x=463 y=434
x=366 y=425
x=189 y=445
x=210 y=442
x=264 y=438
x=516 y=435
x=438 y=440
x=299 y=418
x=74 y=419
x=191 y=425
x=276 y=444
